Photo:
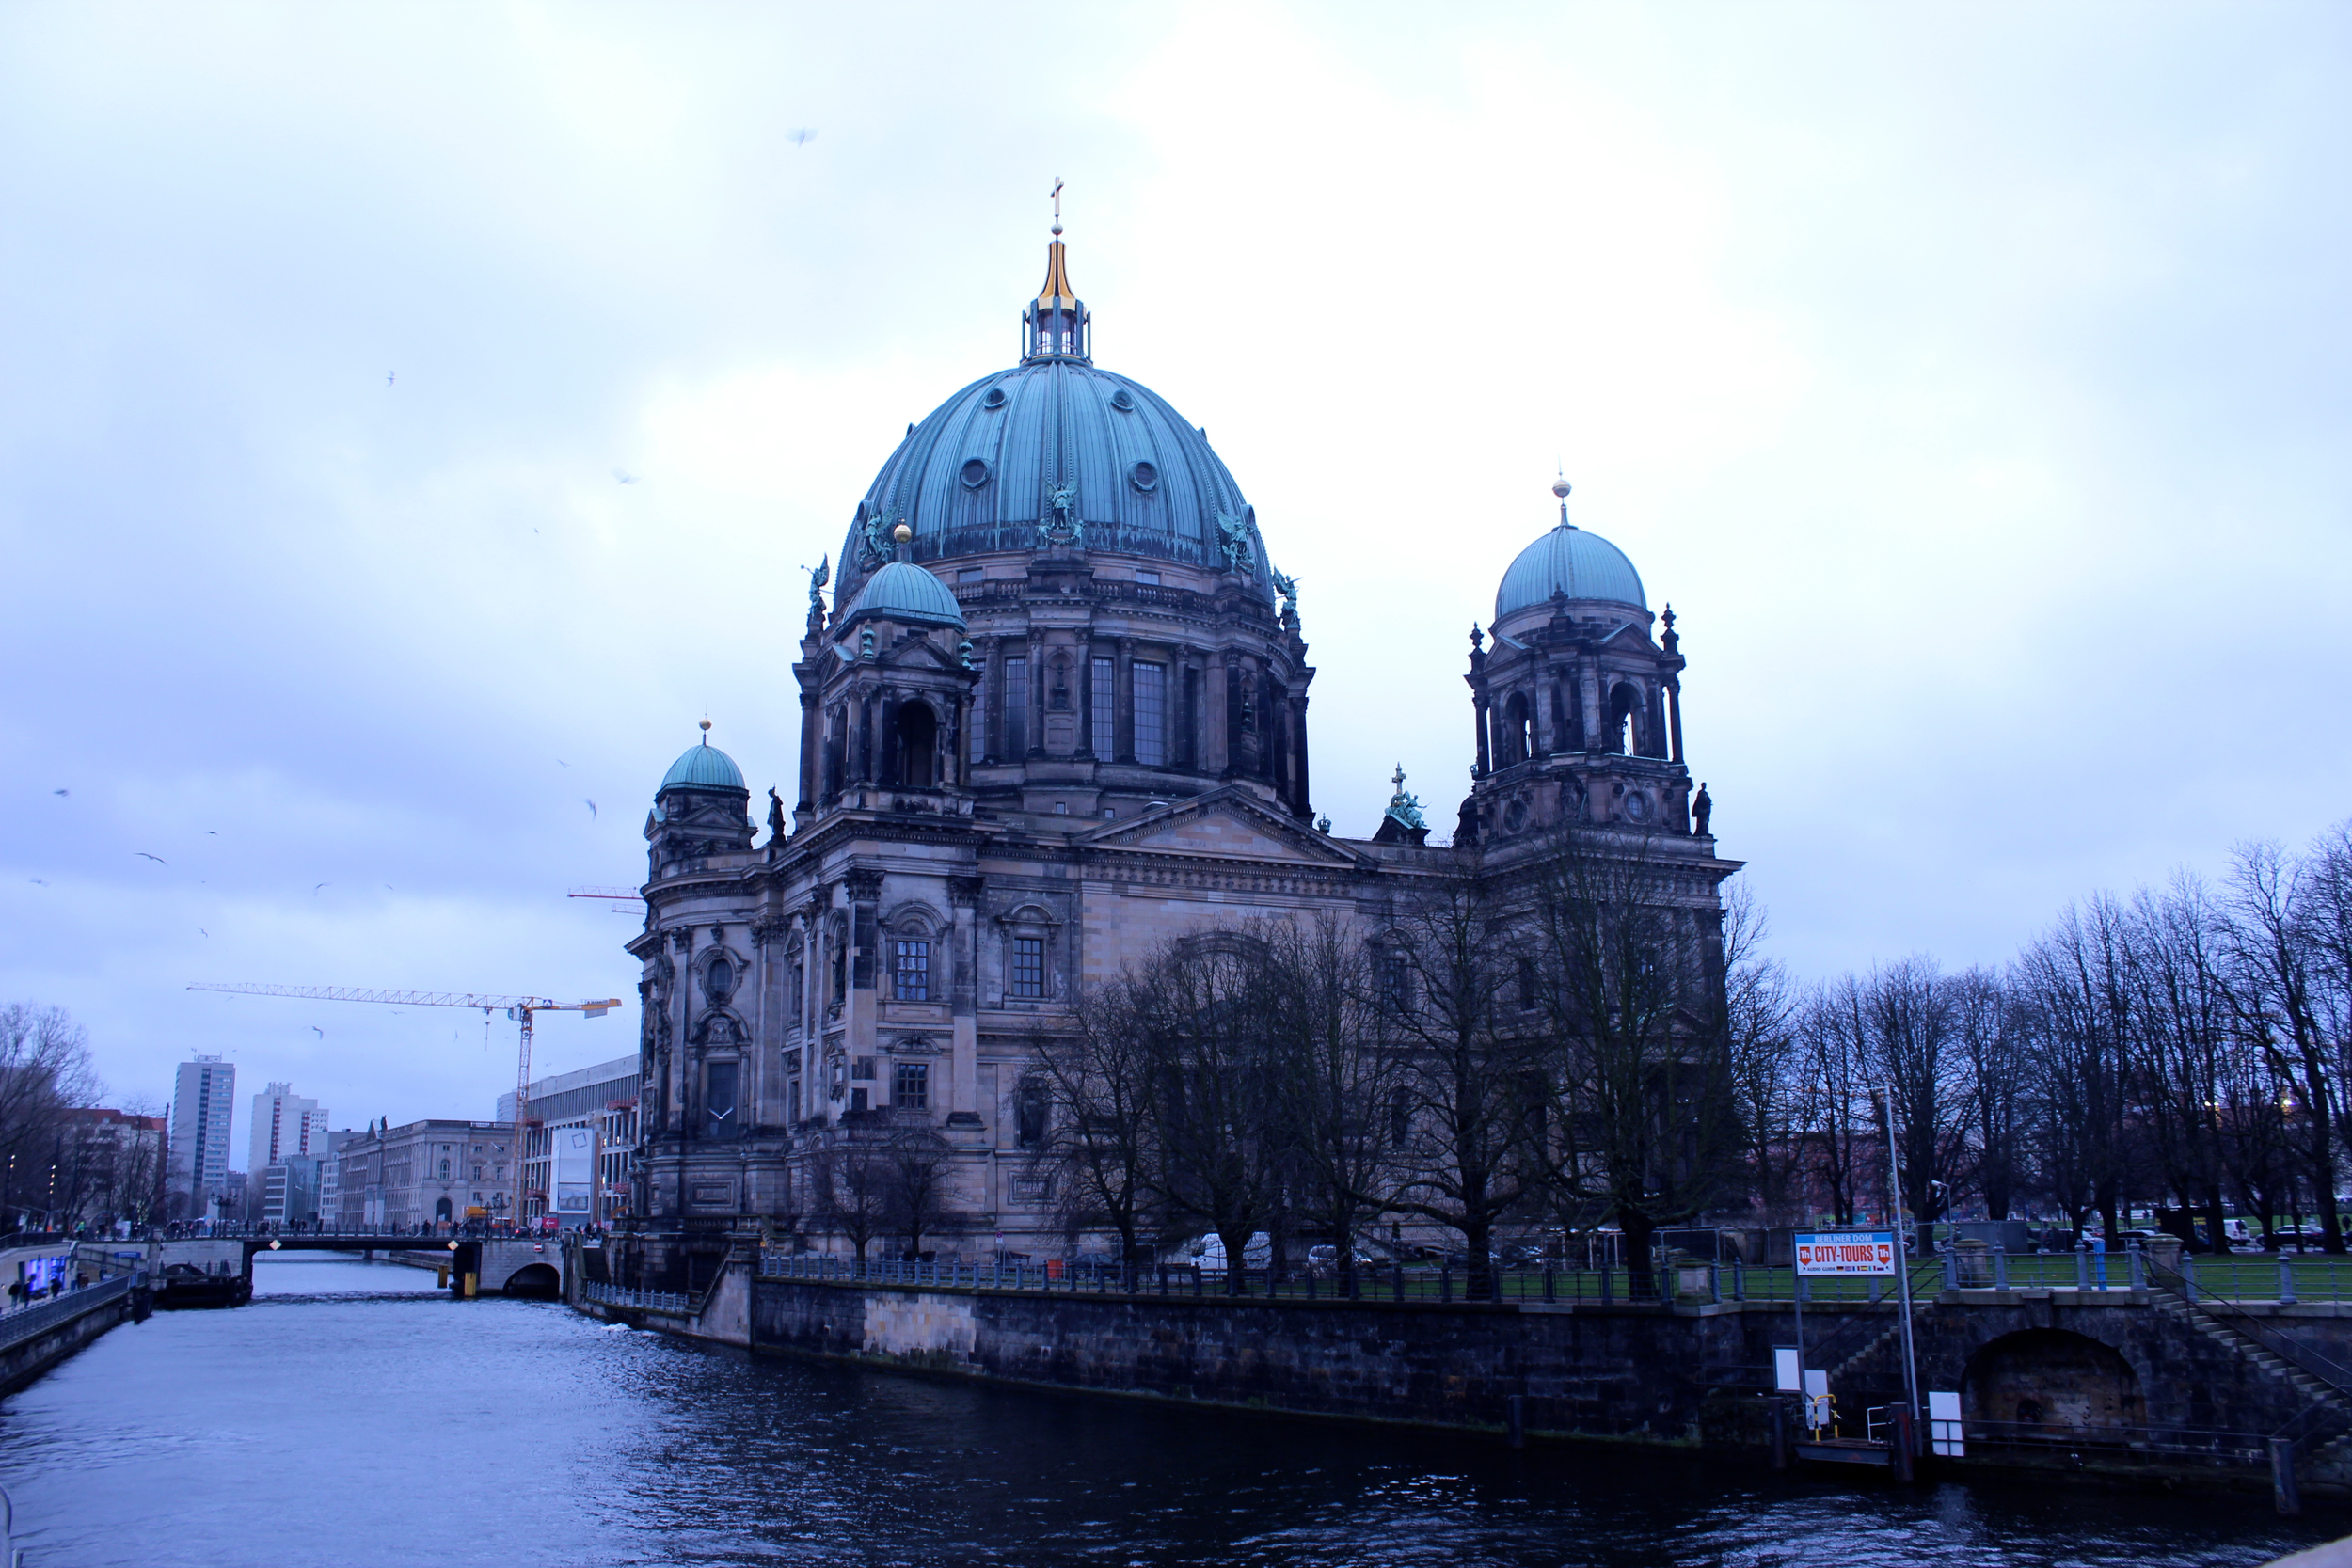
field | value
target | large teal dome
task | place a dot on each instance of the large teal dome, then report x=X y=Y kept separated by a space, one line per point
x=703 y=766
x=981 y=472
x=977 y=474
x=1571 y=561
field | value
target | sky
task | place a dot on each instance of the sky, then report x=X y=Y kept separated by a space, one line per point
x=414 y=418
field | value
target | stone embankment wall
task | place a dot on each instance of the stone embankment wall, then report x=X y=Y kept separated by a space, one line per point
x=24 y=1357
x=1629 y=1371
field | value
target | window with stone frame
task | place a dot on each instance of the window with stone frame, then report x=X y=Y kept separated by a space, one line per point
x=910 y=1086
x=1102 y=707
x=1030 y=1114
x=979 y=739
x=795 y=982
x=911 y=969
x=862 y=1067
x=1151 y=714
x=1028 y=967
x=1013 y=703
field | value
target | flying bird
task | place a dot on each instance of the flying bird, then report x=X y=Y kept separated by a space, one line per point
x=38 y=883
x=61 y=792
x=624 y=478
x=388 y=887
x=801 y=138
x=388 y=378
x=560 y=762
x=205 y=934
x=319 y=1032
x=591 y=808
x=314 y=892
x=144 y=856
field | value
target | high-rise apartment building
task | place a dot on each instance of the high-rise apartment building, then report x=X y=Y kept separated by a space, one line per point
x=284 y=1123
x=202 y=1106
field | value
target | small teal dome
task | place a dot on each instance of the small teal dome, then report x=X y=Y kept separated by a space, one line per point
x=703 y=766
x=902 y=590
x=1579 y=565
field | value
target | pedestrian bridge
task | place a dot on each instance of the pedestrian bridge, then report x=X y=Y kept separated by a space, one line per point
x=516 y=1266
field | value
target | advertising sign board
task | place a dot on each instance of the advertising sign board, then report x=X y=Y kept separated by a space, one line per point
x=1833 y=1252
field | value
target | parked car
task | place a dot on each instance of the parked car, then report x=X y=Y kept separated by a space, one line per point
x=1325 y=1259
x=1208 y=1253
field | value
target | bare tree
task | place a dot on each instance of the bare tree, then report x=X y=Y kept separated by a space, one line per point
x=849 y=1189
x=2283 y=1001
x=1644 y=1094
x=44 y=1068
x=1464 y=1019
x=1097 y=1148
x=1984 y=1025
x=1760 y=1006
x=1336 y=1085
x=916 y=1180
x=2077 y=980
x=1199 y=1006
x=1832 y=1094
x=1916 y=1058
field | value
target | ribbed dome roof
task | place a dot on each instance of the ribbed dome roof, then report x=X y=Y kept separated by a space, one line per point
x=975 y=475
x=704 y=767
x=1579 y=564
x=905 y=591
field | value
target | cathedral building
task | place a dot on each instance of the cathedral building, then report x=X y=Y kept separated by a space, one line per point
x=1055 y=716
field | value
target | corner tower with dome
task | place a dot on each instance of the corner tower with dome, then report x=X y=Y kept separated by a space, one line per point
x=1054 y=717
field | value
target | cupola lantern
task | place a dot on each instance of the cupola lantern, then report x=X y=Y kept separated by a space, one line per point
x=1056 y=324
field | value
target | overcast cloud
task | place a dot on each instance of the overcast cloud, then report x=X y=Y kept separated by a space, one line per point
x=1969 y=378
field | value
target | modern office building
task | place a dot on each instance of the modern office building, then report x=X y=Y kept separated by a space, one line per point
x=576 y=1163
x=202 y=1107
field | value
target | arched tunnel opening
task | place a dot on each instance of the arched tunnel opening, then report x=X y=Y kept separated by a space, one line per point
x=2049 y=1381
x=539 y=1281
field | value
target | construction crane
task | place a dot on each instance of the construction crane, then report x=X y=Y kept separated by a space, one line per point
x=520 y=1009
x=625 y=900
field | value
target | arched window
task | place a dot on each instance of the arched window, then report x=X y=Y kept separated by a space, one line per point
x=914 y=742
x=1624 y=708
x=1518 y=730
x=1567 y=720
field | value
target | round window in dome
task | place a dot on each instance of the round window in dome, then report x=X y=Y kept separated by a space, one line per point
x=1121 y=401
x=975 y=472
x=1144 y=477
x=995 y=398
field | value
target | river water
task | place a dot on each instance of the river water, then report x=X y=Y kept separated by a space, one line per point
x=351 y=1416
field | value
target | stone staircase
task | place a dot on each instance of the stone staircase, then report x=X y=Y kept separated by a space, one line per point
x=2313 y=1394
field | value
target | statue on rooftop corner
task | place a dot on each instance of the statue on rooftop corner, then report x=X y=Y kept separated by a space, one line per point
x=1702 y=808
x=817 y=581
x=1234 y=532
x=1288 y=588
x=775 y=815
x=1405 y=807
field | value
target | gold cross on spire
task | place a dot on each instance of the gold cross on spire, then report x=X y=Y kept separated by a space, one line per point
x=1056 y=194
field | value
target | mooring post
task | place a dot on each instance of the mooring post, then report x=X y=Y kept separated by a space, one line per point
x=1605 y=1287
x=1445 y=1282
x=1514 y=1419
x=2282 y=1487
x=1778 y=1417
x=1900 y=1440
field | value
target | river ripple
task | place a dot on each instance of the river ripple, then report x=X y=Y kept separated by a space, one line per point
x=350 y=1415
